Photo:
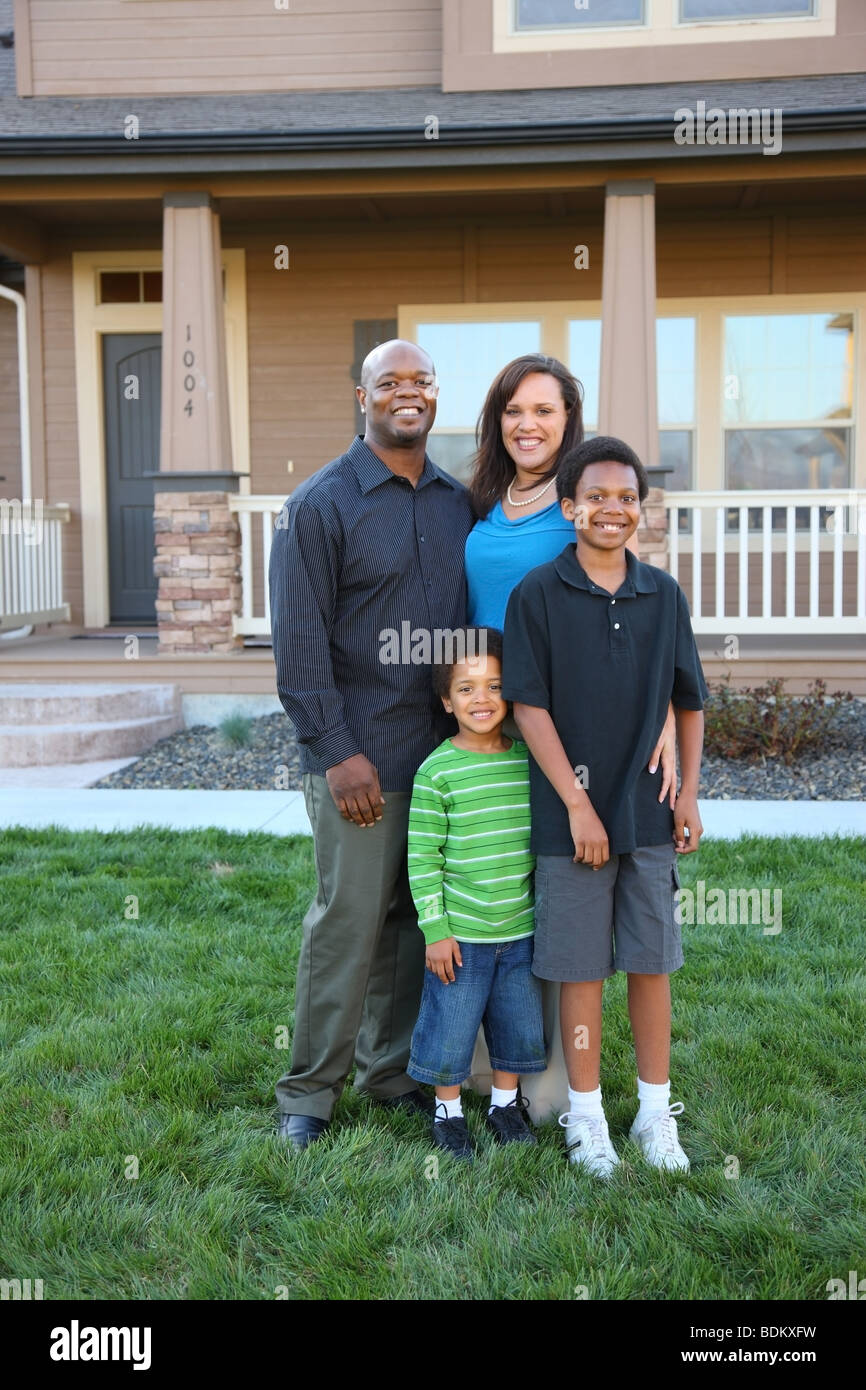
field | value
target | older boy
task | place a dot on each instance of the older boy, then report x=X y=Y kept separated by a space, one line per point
x=596 y=644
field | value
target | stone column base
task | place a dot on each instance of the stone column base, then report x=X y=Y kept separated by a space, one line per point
x=198 y=562
x=652 y=534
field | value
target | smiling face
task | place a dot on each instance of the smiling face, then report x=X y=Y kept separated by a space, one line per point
x=398 y=393
x=475 y=695
x=606 y=506
x=533 y=423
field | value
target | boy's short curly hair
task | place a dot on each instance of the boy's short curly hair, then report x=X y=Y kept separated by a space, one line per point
x=602 y=449
x=465 y=643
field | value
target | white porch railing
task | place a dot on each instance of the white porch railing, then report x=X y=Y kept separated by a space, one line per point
x=735 y=583
x=31 y=563
x=816 y=585
x=255 y=558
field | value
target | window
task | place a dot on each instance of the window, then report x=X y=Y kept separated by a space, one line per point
x=675 y=353
x=755 y=394
x=745 y=9
x=130 y=286
x=789 y=400
x=468 y=357
x=572 y=14
x=133 y=286
x=539 y=27
x=584 y=359
x=675 y=369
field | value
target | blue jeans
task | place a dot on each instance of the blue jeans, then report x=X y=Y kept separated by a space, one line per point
x=494 y=985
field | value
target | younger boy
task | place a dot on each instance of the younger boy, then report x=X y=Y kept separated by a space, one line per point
x=470 y=872
x=596 y=645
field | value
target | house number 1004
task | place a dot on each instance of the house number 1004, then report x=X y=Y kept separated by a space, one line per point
x=189 y=379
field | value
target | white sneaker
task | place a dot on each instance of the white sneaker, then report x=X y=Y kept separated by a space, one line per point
x=659 y=1141
x=587 y=1142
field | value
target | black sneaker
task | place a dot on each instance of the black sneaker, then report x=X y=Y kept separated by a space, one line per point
x=509 y=1122
x=453 y=1136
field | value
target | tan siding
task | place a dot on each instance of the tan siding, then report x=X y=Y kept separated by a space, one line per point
x=10 y=432
x=537 y=262
x=61 y=419
x=117 y=48
x=819 y=261
x=724 y=255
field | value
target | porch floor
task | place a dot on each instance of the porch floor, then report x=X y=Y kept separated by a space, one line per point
x=76 y=655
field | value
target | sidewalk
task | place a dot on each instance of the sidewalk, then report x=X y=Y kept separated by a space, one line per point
x=284 y=813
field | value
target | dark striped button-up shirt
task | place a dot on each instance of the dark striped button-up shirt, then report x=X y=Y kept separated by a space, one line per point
x=362 y=565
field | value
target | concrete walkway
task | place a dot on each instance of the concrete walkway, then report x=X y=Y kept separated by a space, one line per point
x=283 y=813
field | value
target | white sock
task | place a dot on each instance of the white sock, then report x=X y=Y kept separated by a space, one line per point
x=585 y=1102
x=453 y=1109
x=653 y=1099
x=498 y=1097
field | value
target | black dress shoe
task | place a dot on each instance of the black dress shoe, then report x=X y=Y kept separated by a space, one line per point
x=301 y=1130
x=414 y=1102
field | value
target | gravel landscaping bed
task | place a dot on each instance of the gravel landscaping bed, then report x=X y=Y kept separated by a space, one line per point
x=199 y=758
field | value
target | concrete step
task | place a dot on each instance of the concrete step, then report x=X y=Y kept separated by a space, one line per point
x=50 y=702
x=34 y=745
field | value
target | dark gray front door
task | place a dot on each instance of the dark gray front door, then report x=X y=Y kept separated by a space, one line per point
x=131 y=364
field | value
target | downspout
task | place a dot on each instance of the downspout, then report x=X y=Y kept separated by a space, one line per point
x=23 y=414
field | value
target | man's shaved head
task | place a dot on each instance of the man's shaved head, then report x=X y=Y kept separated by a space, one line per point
x=395 y=348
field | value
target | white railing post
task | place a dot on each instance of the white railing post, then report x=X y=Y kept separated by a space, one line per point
x=743 y=539
x=838 y=538
x=767 y=564
x=720 y=562
x=697 y=563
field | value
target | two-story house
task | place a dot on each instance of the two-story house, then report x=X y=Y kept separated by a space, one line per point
x=211 y=209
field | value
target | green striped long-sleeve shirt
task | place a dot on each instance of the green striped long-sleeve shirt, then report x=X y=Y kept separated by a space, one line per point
x=470 y=869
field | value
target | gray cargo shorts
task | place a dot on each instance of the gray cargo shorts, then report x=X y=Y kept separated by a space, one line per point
x=589 y=923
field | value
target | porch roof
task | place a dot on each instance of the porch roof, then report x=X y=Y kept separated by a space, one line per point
x=825 y=113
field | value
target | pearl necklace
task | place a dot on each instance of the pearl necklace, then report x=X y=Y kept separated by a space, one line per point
x=529 y=500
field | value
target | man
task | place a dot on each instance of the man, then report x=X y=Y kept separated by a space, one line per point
x=370 y=542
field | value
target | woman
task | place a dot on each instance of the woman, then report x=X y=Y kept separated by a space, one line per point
x=531 y=417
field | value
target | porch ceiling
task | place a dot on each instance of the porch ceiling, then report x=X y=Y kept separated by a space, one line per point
x=62 y=219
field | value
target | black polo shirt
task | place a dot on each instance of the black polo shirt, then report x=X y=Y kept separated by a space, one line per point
x=605 y=667
x=358 y=553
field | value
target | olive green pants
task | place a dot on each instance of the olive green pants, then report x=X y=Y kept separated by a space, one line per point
x=361 y=967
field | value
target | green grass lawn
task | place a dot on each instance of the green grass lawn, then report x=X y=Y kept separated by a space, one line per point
x=153 y=1039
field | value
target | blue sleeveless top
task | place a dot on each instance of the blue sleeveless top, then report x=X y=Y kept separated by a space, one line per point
x=500 y=552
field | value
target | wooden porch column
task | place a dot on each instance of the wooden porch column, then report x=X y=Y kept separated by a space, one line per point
x=197 y=540
x=628 y=404
x=195 y=434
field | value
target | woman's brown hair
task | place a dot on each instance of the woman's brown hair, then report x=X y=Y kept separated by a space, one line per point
x=493 y=467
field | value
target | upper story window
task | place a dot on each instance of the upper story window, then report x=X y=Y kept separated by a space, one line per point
x=577 y=14
x=745 y=9
x=553 y=26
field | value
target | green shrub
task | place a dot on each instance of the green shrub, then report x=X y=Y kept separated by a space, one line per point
x=237 y=730
x=763 y=721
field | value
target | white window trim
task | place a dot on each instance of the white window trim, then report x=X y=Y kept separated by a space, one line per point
x=709 y=428
x=662 y=29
